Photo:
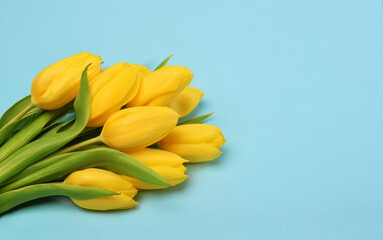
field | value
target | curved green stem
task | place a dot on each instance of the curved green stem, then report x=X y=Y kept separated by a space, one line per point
x=78 y=146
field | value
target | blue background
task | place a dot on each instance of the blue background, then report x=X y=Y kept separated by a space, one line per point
x=297 y=90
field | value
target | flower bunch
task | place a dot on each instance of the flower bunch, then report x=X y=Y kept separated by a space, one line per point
x=99 y=136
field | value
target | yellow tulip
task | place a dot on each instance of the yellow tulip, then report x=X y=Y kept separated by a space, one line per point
x=102 y=179
x=58 y=84
x=194 y=142
x=160 y=87
x=140 y=69
x=113 y=88
x=185 y=102
x=168 y=165
x=138 y=127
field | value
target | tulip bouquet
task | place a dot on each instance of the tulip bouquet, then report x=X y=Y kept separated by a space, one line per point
x=98 y=136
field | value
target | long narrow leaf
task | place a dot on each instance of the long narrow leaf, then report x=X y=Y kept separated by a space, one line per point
x=163 y=63
x=33 y=111
x=14 y=110
x=26 y=134
x=10 y=130
x=60 y=166
x=197 y=119
x=13 y=198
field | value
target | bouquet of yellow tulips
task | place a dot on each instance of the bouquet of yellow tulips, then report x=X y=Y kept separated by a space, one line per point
x=98 y=136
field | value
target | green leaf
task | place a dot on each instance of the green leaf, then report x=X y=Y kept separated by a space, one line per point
x=163 y=63
x=62 y=117
x=197 y=119
x=13 y=198
x=33 y=111
x=14 y=110
x=25 y=121
x=54 y=130
x=32 y=169
x=47 y=144
x=26 y=134
x=60 y=166
x=9 y=130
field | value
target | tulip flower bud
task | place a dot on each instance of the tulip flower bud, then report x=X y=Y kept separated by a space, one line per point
x=168 y=165
x=160 y=87
x=102 y=179
x=140 y=69
x=58 y=84
x=113 y=88
x=185 y=102
x=138 y=127
x=194 y=142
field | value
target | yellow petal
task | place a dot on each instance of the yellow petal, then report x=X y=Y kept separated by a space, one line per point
x=99 y=178
x=59 y=83
x=185 y=102
x=111 y=90
x=156 y=157
x=141 y=69
x=138 y=127
x=173 y=175
x=160 y=87
x=107 y=203
x=200 y=152
x=218 y=141
x=102 y=179
x=193 y=133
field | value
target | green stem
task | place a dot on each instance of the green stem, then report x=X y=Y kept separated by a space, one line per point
x=20 y=114
x=78 y=146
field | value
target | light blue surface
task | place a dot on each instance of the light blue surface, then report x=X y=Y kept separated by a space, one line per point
x=297 y=89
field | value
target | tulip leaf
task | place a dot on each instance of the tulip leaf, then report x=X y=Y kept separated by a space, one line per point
x=58 y=167
x=28 y=130
x=197 y=119
x=26 y=134
x=53 y=130
x=32 y=169
x=33 y=111
x=14 y=110
x=16 y=197
x=9 y=130
x=47 y=144
x=163 y=63
x=64 y=117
